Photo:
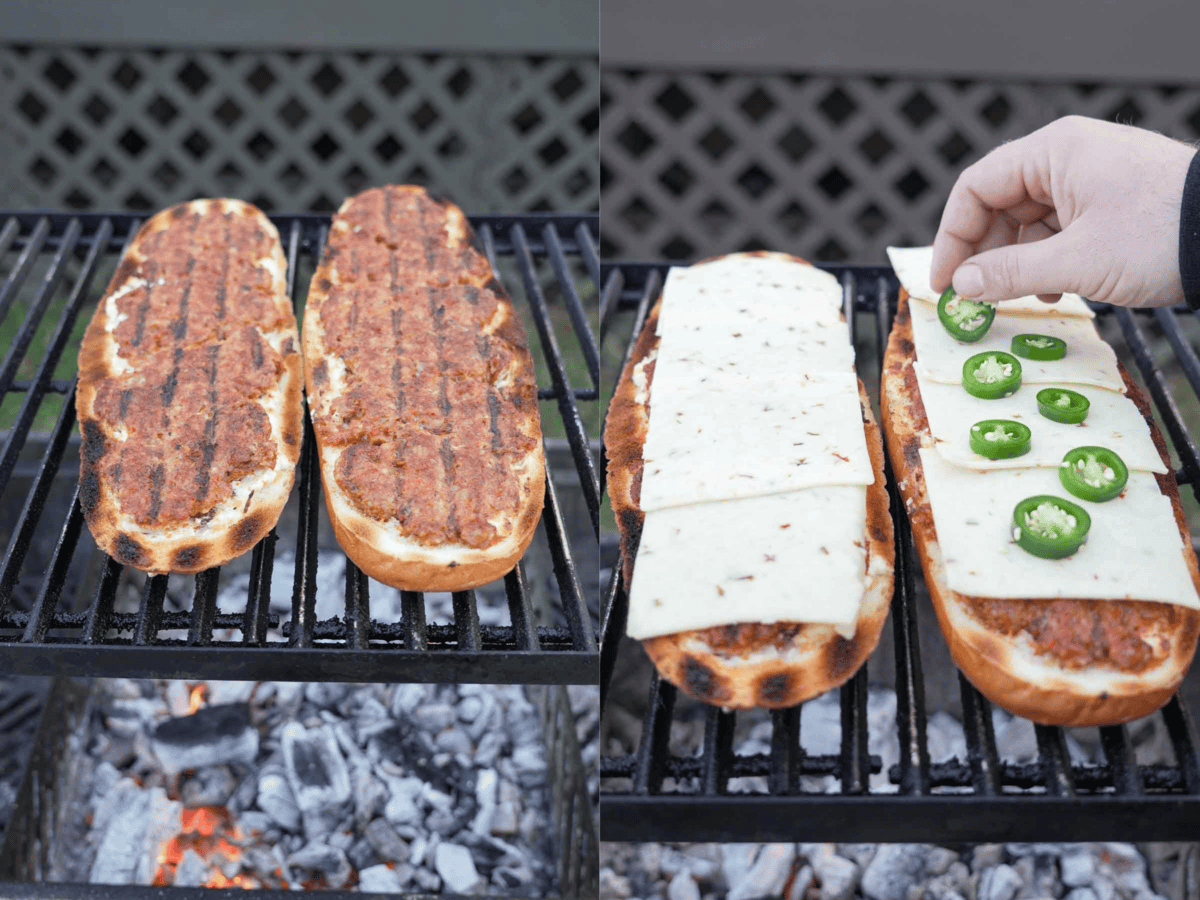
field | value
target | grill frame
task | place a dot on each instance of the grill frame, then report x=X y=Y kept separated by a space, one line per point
x=1115 y=800
x=407 y=650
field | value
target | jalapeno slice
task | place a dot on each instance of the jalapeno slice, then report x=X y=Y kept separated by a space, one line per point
x=1061 y=405
x=1093 y=473
x=1050 y=527
x=1000 y=438
x=965 y=320
x=1039 y=346
x=991 y=375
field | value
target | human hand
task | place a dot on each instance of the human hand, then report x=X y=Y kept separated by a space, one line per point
x=1079 y=206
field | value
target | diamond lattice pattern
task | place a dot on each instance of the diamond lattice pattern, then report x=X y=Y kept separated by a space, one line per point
x=828 y=168
x=132 y=129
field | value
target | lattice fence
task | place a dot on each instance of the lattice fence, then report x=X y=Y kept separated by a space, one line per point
x=140 y=129
x=833 y=169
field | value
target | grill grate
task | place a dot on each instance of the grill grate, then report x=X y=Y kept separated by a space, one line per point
x=982 y=798
x=550 y=252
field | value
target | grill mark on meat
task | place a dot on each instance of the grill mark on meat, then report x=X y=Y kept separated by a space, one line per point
x=167 y=392
x=157 y=476
x=494 y=418
x=225 y=271
x=179 y=326
x=139 y=321
x=209 y=448
x=256 y=355
x=123 y=405
x=446 y=452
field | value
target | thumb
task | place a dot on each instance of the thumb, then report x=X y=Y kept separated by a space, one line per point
x=1048 y=266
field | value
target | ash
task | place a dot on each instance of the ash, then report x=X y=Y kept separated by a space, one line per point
x=274 y=784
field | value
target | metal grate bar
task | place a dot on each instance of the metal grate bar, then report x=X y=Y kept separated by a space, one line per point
x=1183 y=738
x=610 y=299
x=649 y=764
x=304 y=584
x=258 y=600
x=579 y=317
x=204 y=607
x=520 y=610
x=576 y=435
x=100 y=611
x=1162 y=396
x=585 y=240
x=981 y=739
x=466 y=620
x=150 y=611
x=47 y=598
x=35 y=501
x=717 y=751
x=612 y=629
x=20 y=271
x=787 y=756
x=1118 y=753
x=414 y=621
x=574 y=606
x=358 y=608
x=1055 y=759
x=856 y=759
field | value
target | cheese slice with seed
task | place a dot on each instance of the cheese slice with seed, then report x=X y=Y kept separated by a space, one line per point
x=912 y=268
x=794 y=557
x=1113 y=421
x=1090 y=360
x=1133 y=550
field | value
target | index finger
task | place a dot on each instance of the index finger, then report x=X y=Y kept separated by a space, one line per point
x=1011 y=180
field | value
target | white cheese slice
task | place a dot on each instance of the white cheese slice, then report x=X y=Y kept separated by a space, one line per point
x=745 y=436
x=768 y=287
x=796 y=557
x=912 y=266
x=1133 y=550
x=1113 y=421
x=1090 y=359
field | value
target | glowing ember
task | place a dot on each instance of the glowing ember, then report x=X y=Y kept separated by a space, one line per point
x=197 y=697
x=208 y=831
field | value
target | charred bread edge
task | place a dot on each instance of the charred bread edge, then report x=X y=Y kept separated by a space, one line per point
x=362 y=537
x=819 y=658
x=185 y=553
x=1050 y=695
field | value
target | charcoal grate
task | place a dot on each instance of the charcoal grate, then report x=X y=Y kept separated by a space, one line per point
x=49 y=263
x=655 y=794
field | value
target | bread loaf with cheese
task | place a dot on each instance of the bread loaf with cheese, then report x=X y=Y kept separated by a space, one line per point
x=189 y=391
x=422 y=395
x=745 y=664
x=1068 y=660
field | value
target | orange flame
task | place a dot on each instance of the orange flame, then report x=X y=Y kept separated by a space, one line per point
x=210 y=832
x=197 y=697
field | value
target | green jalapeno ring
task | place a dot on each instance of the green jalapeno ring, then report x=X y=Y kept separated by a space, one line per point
x=1093 y=473
x=1050 y=527
x=1041 y=347
x=1000 y=438
x=964 y=320
x=991 y=375
x=1071 y=412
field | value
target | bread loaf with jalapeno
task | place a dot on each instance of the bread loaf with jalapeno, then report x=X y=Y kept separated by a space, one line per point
x=732 y=543
x=1064 y=633
x=422 y=396
x=189 y=391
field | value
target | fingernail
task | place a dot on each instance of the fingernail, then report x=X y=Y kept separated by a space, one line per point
x=968 y=281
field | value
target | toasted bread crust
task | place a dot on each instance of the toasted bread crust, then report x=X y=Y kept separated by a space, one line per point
x=383 y=548
x=1006 y=668
x=743 y=665
x=189 y=545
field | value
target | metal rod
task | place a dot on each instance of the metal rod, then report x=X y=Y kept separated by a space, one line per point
x=981 y=739
x=358 y=608
x=585 y=240
x=1056 y=760
x=520 y=610
x=787 y=755
x=718 y=750
x=100 y=610
x=579 y=319
x=1183 y=739
x=204 y=607
x=304 y=583
x=150 y=610
x=258 y=599
x=466 y=620
x=413 y=605
x=576 y=434
x=579 y=620
x=20 y=271
x=56 y=576
x=856 y=757
x=612 y=628
x=1118 y=753
x=656 y=732
x=610 y=297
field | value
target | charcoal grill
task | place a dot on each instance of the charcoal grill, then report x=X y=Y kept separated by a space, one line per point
x=653 y=794
x=48 y=638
